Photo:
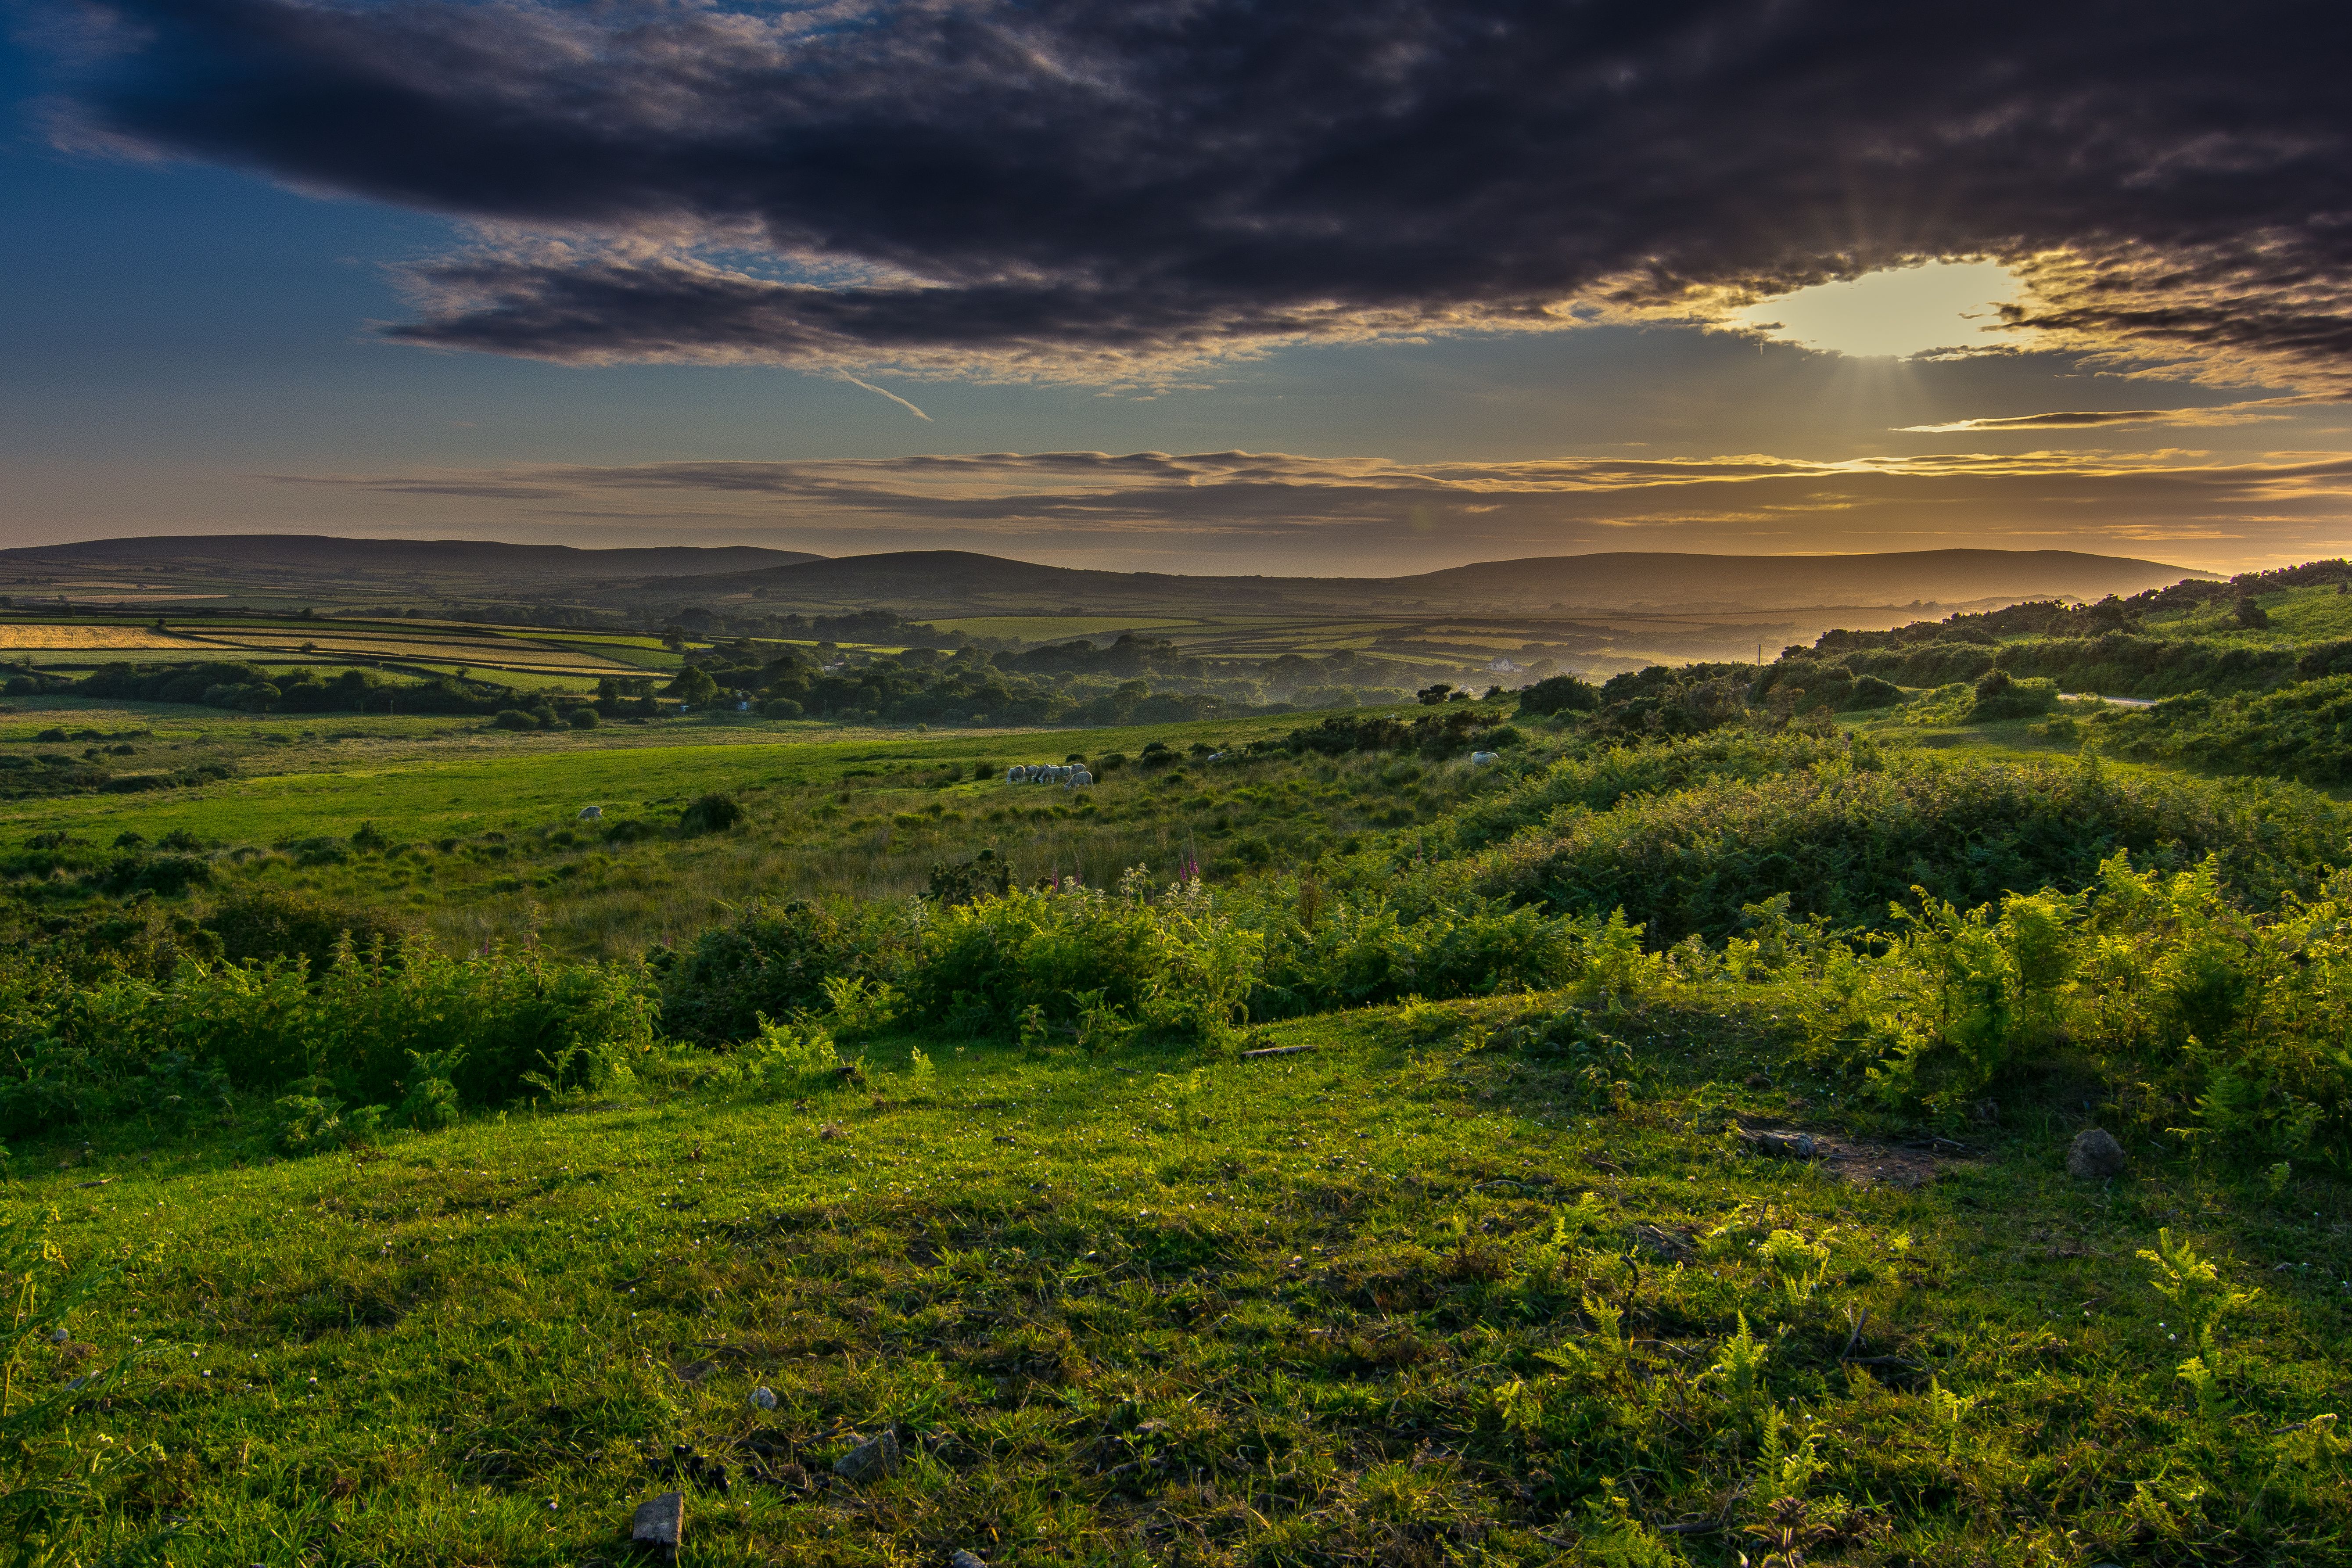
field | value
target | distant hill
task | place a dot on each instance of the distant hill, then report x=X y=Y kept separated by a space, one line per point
x=301 y=568
x=940 y=581
x=322 y=555
x=1624 y=578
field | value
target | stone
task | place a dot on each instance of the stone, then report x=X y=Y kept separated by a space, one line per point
x=661 y=1522
x=763 y=1399
x=869 y=1460
x=967 y=1560
x=2095 y=1156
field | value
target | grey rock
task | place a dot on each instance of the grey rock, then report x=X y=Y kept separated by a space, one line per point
x=1783 y=1145
x=2095 y=1156
x=660 y=1523
x=764 y=1398
x=967 y=1560
x=869 y=1460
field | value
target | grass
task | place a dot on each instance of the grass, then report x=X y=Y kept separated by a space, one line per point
x=489 y=848
x=1409 y=1297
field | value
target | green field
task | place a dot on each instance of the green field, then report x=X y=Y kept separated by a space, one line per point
x=1648 y=1147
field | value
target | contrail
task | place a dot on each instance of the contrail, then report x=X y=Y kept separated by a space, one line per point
x=891 y=395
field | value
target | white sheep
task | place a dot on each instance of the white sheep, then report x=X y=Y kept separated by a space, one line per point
x=591 y=813
x=1081 y=779
x=1480 y=759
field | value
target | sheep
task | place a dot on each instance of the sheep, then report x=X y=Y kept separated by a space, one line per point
x=591 y=813
x=1480 y=759
x=1081 y=779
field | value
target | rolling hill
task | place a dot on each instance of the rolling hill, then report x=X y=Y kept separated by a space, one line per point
x=938 y=582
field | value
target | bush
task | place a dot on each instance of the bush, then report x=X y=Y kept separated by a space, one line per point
x=773 y=960
x=489 y=1027
x=1558 y=694
x=713 y=812
x=583 y=718
x=1088 y=961
x=1999 y=696
x=781 y=708
x=1870 y=691
x=261 y=925
x=2299 y=731
x=1856 y=830
x=514 y=719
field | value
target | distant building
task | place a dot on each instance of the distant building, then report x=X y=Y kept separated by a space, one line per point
x=1498 y=665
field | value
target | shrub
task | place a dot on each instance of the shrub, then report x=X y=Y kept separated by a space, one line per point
x=259 y=924
x=514 y=719
x=583 y=718
x=1999 y=696
x=1176 y=968
x=713 y=812
x=1856 y=830
x=491 y=1028
x=773 y=959
x=781 y=708
x=1870 y=691
x=1558 y=694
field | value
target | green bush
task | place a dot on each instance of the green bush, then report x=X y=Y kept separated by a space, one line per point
x=1853 y=832
x=497 y=1024
x=2299 y=731
x=713 y=812
x=514 y=719
x=771 y=959
x=1999 y=696
x=1870 y=691
x=1558 y=694
x=1175 y=967
x=583 y=718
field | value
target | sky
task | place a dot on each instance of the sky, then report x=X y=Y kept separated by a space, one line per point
x=1182 y=285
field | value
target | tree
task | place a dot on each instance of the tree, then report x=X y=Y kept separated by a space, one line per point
x=694 y=686
x=2252 y=614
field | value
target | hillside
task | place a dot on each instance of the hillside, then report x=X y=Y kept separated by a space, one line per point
x=327 y=562
x=941 y=581
x=1792 y=582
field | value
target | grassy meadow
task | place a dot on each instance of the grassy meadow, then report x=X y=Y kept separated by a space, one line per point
x=1648 y=1147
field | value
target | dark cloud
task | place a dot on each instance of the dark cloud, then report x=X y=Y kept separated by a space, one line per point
x=1066 y=183
x=1272 y=511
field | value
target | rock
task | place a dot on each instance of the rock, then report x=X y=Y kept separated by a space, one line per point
x=764 y=1398
x=869 y=1461
x=2095 y=1156
x=661 y=1522
x=1783 y=1145
x=967 y=1560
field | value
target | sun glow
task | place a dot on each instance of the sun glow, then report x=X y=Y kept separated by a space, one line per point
x=1892 y=314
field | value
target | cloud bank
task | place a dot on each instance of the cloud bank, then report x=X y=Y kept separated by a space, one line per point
x=1064 y=187
x=1225 y=511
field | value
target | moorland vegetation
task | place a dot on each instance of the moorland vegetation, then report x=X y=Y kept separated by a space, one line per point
x=1662 y=1157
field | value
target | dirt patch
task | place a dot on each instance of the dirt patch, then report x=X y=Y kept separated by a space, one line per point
x=1857 y=1161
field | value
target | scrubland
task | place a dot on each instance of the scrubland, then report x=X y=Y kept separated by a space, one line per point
x=1648 y=1147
